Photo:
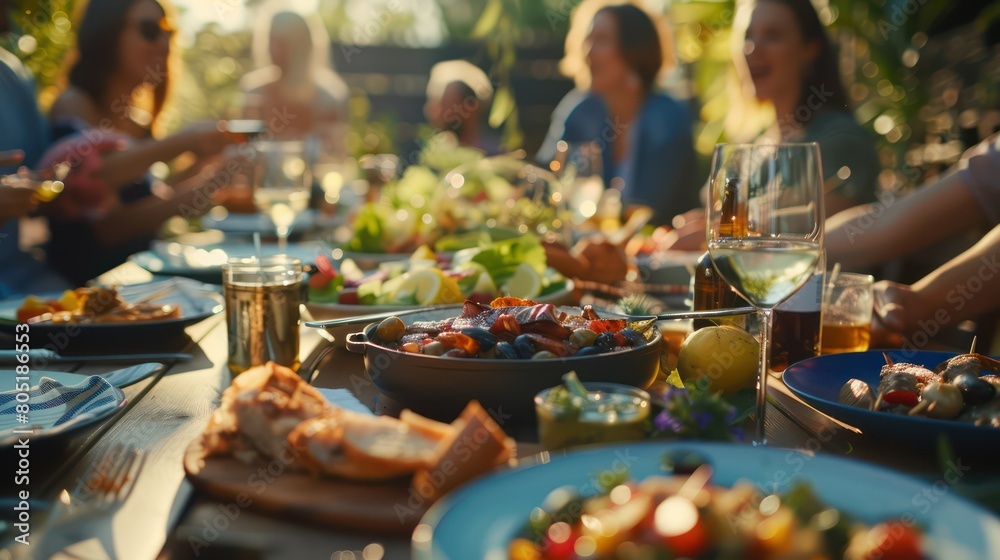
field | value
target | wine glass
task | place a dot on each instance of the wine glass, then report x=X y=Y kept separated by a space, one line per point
x=765 y=229
x=281 y=183
x=578 y=166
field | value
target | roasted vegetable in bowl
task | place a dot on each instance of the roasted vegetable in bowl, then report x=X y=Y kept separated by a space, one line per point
x=513 y=328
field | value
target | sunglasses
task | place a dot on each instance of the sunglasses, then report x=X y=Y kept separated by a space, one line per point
x=153 y=29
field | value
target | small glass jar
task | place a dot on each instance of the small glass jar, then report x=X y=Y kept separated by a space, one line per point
x=611 y=413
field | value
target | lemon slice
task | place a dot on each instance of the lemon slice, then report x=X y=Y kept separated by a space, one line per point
x=525 y=283
x=484 y=285
x=423 y=253
x=430 y=287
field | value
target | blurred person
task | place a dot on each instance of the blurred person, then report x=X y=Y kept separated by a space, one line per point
x=645 y=135
x=295 y=90
x=106 y=121
x=24 y=135
x=964 y=199
x=789 y=61
x=458 y=96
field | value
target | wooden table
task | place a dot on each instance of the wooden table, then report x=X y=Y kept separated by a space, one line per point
x=163 y=516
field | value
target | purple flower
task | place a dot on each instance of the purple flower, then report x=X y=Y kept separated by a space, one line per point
x=702 y=419
x=737 y=433
x=730 y=415
x=665 y=422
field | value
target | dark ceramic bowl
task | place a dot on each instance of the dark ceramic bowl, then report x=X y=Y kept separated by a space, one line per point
x=441 y=387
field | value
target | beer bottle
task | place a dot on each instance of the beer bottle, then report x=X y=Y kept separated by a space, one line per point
x=709 y=289
x=797 y=323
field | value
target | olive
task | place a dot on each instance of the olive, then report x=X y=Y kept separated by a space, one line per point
x=505 y=351
x=606 y=340
x=485 y=338
x=456 y=353
x=634 y=336
x=390 y=329
x=974 y=390
x=583 y=337
x=524 y=346
x=434 y=349
x=543 y=355
x=591 y=351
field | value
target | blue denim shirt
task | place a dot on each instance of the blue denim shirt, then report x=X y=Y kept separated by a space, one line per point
x=659 y=168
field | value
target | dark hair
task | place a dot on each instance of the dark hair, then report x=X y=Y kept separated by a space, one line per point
x=824 y=73
x=638 y=41
x=97 y=41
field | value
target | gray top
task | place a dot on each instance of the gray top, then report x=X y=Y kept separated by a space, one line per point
x=843 y=143
x=981 y=174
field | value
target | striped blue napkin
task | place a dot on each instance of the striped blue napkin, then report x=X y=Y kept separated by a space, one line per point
x=56 y=408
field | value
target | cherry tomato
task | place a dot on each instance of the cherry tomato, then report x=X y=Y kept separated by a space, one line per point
x=894 y=540
x=318 y=281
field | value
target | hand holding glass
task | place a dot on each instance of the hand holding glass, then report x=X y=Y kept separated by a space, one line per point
x=765 y=229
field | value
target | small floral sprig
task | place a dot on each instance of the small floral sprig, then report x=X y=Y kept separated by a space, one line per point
x=692 y=413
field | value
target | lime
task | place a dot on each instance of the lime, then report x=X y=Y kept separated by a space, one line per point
x=524 y=283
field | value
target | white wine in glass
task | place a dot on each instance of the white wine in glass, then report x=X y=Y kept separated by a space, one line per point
x=281 y=186
x=767 y=241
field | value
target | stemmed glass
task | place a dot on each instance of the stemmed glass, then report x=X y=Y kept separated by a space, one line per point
x=281 y=184
x=578 y=167
x=765 y=229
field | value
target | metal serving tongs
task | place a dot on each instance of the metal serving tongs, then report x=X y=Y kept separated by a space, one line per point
x=669 y=316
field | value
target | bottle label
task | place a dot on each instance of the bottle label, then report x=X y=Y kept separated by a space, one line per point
x=808 y=298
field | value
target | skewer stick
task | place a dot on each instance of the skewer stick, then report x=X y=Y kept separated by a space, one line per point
x=888 y=360
x=973 y=349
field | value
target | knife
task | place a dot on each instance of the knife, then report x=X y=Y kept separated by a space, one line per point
x=12 y=357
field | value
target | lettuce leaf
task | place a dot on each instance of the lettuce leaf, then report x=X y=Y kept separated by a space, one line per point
x=502 y=257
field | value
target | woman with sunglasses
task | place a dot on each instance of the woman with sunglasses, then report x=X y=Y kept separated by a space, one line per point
x=106 y=121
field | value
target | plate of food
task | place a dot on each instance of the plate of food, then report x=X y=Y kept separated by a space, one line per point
x=204 y=262
x=674 y=500
x=97 y=316
x=906 y=396
x=502 y=354
x=331 y=465
x=515 y=267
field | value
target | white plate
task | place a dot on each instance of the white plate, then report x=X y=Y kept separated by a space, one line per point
x=480 y=519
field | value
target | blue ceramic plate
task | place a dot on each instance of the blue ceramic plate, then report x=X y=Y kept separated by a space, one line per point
x=818 y=381
x=479 y=520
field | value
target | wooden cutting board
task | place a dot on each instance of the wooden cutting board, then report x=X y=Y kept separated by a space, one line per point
x=271 y=486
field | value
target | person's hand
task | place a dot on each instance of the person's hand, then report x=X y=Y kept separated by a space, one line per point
x=16 y=202
x=205 y=139
x=593 y=259
x=893 y=315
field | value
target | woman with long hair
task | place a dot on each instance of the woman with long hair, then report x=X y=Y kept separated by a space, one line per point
x=644 y=135
x=107 y=121
x=788 y=60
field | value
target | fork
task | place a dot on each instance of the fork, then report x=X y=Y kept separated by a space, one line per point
x=107 y=483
